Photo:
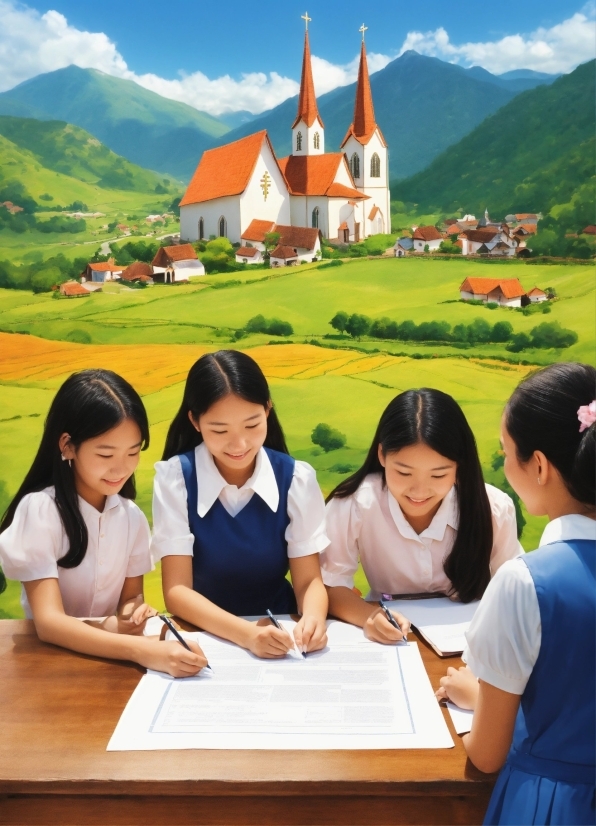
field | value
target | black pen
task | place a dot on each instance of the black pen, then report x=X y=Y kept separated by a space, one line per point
x=390 y=618
x=178 y=636
x=281 y=628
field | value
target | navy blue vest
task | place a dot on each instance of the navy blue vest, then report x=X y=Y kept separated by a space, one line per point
x=240 y=562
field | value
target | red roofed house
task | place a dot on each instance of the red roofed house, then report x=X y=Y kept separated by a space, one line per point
x=101 y=271
x=507 y=292
x=249 y=255
x=243 y=182
x=426 y=235
x=495 y=242
x=589 y=230
x=139 y=271
x=283 y=256
x=536 y=295
x=175 y=264
x=305 y=240
x=72 y=289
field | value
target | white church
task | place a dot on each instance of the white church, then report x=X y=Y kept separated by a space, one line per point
x=345 y=195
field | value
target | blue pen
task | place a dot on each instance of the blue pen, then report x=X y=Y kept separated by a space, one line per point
x=390 y=618
x=280 y=628
x=178 y=636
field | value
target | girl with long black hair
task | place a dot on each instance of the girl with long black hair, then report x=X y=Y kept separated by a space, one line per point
x=531 y=647
x=75 y=539
x=417 y=515
x=232 y=512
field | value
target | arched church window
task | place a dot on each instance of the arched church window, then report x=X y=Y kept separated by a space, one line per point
x=299 y=141
x=375 y=166
x=222 y=227
x=317 y=141
x=201 y=229
x=315 y=218
x=355 y=165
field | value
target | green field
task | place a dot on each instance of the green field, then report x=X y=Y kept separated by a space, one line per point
x=309 y=384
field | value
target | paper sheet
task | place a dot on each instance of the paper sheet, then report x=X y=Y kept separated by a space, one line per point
x=353 y=695
x=461 y=718
x=441 y=621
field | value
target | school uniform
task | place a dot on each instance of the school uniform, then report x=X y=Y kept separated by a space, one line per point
x=240 y=539
x=534 y=634
x=118 y=548
x=369 y=526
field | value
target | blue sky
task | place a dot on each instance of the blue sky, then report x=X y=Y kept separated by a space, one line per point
x=226 y=56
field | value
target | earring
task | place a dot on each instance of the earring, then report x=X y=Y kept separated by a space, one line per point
x=64 y=459
x=539 y=482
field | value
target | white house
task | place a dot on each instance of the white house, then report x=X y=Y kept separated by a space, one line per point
x=403 y=246
x=536 y=295
x=283 y=257
x=249 y=255
x=243 y=182
x=489 y=240
x=175 y=264
x=102 y=271
x=423 y=236
x=305 y=240
x=508 y=292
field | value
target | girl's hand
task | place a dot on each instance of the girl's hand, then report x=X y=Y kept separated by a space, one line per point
x=378 y=628
x=460 y=686
x=310 y=634
x=173 y=658
x=132 y=617
x=267 y=641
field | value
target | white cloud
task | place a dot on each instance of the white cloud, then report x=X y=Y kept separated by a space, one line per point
x=558 y=49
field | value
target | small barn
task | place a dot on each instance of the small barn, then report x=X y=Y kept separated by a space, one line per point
x=403 y=246
x=423 y=236
x=508 y=292
x=249 y=255
x=139 y=271
x=283 y=257
x=177 y=263
x=536 y=295
x=101 y=271
x=72 y=289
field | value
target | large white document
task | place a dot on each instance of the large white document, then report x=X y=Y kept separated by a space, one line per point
x=441 y=621
x=355 y=694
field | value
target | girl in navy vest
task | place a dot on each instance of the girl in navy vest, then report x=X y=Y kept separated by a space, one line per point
x=233 y=512
x=531 y=646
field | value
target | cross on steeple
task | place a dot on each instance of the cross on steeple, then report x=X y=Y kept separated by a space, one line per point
x=306 y=19
x=363 y=29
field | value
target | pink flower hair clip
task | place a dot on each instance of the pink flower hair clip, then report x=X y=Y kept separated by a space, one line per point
x=587 y=415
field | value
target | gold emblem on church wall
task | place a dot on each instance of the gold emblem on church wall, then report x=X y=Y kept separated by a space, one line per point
x=266 y=184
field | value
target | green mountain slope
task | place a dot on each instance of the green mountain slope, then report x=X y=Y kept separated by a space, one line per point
x=72 y=151
x=422 y=104
x=152 y=131
x=533 y=153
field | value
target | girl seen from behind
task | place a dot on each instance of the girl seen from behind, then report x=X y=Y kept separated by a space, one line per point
x=232 y=512
x=75 y=539
x=531 y=648
x=417 y=515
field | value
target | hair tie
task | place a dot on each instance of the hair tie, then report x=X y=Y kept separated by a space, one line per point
x=587 y=415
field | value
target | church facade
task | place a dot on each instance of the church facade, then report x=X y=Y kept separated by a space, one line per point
x=343 y=194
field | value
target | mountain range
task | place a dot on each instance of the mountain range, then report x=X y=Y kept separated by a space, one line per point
x=422 y=104
x=535 y=152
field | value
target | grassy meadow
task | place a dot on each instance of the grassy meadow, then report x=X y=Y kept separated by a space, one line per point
x=152 y=337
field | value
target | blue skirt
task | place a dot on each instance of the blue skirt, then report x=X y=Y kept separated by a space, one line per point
x=520 y=798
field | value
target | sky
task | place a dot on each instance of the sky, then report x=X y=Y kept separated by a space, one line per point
x=222 y=57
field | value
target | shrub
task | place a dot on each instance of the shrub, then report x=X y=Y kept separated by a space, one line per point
x=335 y=262
x=273 y=326
x=79 y=337
x=502 y=331
x=327 y=437
x=551 y=334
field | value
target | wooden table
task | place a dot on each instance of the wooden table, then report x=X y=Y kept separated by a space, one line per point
x=59 y=709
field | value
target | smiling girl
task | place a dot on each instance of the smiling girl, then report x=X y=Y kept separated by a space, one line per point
x=232 y=512
x=75 y=539
x=417 y=515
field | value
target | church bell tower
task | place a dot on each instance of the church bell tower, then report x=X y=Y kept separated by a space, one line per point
x=308 y=132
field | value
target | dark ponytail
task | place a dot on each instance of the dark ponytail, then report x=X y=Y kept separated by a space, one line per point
x=88 y=404
x=435 y=419
x=542 y=414
x=211 y=378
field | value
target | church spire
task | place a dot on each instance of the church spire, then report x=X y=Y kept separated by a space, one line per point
x=307 y=104
x=364 y=114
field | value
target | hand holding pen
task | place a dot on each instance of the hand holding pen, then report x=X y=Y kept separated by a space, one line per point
x=279 y=627
x=386 y=626
x=168 y=622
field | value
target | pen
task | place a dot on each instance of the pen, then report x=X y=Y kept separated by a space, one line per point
x=280 y=628
x=178 y=636
x=390 y=618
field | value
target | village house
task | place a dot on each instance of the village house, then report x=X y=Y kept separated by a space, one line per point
x=102 y=271
x=249 y=255
x=305 y=240
x=139 y=271
x=488 y=241
x=536 y=295
x=426 y=236
x=589 y=230
x=403 y=246
x=174 y=264
x=283 y=257
x=72 y=289
x=507 y=292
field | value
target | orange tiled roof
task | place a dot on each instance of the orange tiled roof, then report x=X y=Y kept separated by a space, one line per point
x=225 y=170
x=300 y=237
x=246 y=252
x=589 y=230
x=519 y=216
x=481 y=235
x=374 y=211
x=510 y=287
x=364 y=125
x=284 y=252
x=536 y=291
x=307 y=102
x=257 y=230
x=315 y=175
x=168 y=255
x=72 y=288
x=426 y=234
x=532 y=229
x=138 y=270
x=105 y=266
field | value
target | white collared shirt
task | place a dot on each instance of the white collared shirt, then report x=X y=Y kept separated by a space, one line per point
x=505 y=635
x=118 y=548
x=172 y=536
x=370 y=526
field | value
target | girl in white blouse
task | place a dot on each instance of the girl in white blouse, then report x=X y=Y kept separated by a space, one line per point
x=232 y=512
x=417 y=515
x=75 y=539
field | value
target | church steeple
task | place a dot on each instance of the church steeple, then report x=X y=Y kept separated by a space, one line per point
x=364 y=114
x=307 y=130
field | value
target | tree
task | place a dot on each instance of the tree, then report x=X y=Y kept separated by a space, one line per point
x=276 y=327
x=358 y=325
x=327 y=437
x=519 y=341
x=479 y=331
x=502 y=331
x=339 y=321
x=44 y=280
x=551 y=334
x=271 y=240
x=256 y=324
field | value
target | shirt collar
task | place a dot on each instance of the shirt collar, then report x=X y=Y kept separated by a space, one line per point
x=565 y=528
x=112 y=501
x=210 y=482
x=446 y=515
